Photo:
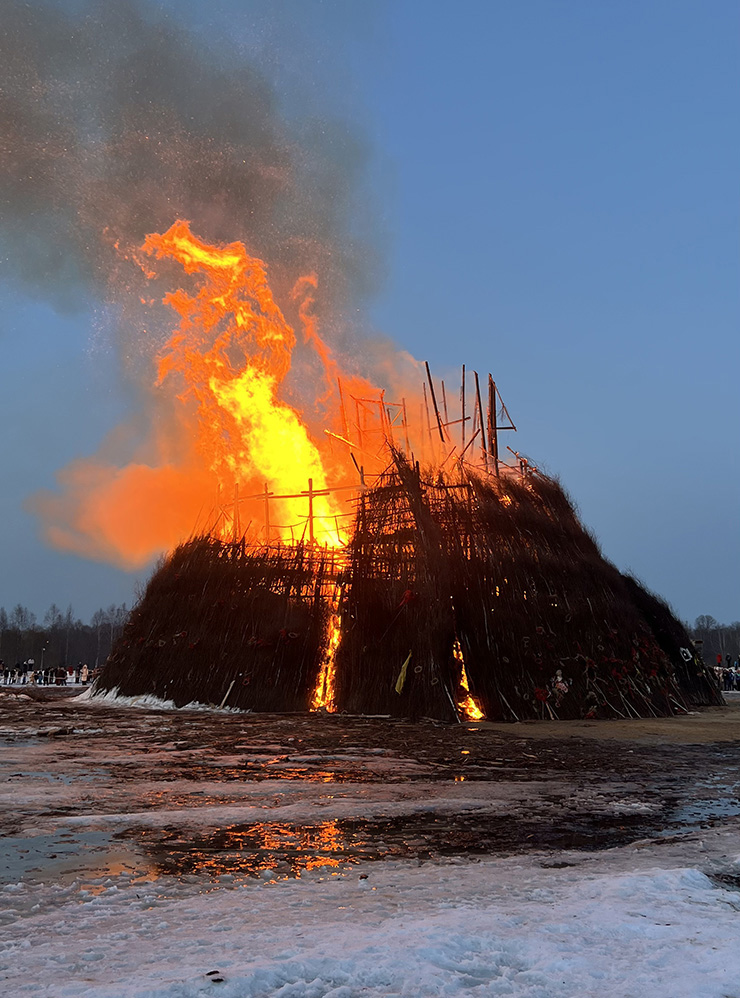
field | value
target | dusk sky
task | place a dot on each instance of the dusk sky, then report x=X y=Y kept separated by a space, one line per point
x=548 y=191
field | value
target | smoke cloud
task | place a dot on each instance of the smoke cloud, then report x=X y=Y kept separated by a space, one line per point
x=114 y=122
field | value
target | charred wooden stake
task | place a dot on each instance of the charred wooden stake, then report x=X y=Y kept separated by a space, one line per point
x=462 y=408
x=310 y=511
x=484 y=449
x=267 y=514
x=434 y=402
x=492 y=424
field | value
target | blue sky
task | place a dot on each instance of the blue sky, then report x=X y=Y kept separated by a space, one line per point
x=549 y=192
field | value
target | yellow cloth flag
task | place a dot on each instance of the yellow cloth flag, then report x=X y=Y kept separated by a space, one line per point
x=402 y=675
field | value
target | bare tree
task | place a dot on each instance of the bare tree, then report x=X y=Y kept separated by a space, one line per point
x=21 y=618
x=3 y=625
x=98 y=621
x=53 y=618
x=717 y=639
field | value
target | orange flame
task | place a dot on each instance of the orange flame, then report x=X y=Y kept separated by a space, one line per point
x=222 y=437
x=231 y=353
x=324 y=696
x=467 y=704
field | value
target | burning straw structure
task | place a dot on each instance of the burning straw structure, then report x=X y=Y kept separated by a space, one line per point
x=460 y=595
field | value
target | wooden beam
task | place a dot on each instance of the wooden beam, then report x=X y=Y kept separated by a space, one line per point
x=359 y=427
x=492 y=424
x=480 y=417
x=462 y=406
x=345 y=427
x=235 y=523
x=472 y=439
x=360 y=471
x=434 y=402
x=310 y=511
x=425 y=410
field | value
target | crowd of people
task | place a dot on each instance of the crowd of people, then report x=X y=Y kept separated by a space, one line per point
x=728 y=672
x=26 y=673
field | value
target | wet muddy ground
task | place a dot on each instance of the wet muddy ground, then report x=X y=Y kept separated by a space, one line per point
x=93 y=792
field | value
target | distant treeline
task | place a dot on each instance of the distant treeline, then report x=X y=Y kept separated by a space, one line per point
x=61 y=639
x=716 y=639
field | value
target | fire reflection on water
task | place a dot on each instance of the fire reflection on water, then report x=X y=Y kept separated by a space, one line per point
x=96 y=880
x=282 y=850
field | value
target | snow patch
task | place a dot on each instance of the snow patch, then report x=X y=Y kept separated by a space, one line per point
x=147 y=701
x=498 y=927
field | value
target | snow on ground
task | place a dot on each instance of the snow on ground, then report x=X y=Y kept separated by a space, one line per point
x=91 y=803
x=506 y=927
x=145 y=701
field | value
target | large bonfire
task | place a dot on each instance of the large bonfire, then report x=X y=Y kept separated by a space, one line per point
x=376 y=556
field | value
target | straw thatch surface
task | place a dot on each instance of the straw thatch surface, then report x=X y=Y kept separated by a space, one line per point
x=217 y=618
x=500 y=568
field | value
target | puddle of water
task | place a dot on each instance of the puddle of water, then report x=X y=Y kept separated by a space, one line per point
x=283 y=850
x=698 y=811
x=65 y=857
x=280 y=850
x=93 y=861
x=88 y=776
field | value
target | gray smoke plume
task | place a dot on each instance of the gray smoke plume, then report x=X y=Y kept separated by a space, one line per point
x=114 y=121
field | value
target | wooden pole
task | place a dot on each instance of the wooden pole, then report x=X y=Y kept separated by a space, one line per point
x=389 y=423
x=267 y=514
x=360 y=470
x=434 y=402
x=444 y=402
x=406 y=427
x=226 y=694
x=236 y=512
x=385 y=422
x=468 y=444
x=493 y=424
x=359 y=428
x=428 y=420
x=462 y=407
x=342 y=409
x=480 y=416
x=310 y=511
